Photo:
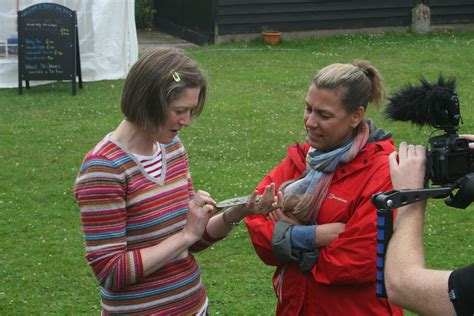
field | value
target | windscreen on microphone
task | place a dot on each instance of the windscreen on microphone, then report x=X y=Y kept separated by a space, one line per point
x=428 y=103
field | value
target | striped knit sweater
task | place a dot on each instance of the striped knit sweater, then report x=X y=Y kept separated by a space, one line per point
x=123 y=209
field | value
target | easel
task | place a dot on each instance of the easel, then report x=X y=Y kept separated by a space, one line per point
x=48 y=45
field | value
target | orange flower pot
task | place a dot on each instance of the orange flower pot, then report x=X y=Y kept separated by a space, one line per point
x=271 y=38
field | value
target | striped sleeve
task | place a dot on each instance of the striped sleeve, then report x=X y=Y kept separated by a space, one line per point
x=100 y=194
x=205 y=242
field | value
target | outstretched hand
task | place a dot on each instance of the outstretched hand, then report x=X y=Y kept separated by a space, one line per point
x=267 y=202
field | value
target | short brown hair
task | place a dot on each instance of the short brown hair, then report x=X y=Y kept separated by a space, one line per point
x=156 y=80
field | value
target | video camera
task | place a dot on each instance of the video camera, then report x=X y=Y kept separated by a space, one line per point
x=436 y=104
x=450 y=163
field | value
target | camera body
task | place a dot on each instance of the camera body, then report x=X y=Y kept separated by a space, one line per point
x=448 y=159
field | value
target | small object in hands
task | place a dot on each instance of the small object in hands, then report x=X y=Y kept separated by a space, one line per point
x=241 y=200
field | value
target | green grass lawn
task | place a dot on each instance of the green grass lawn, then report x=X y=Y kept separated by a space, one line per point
x=254 y=111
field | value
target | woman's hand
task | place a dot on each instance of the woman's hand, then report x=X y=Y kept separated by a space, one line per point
x=278 y=215
x=201 y=209
x=267 y=202
x=326 y=233
x=202 y=198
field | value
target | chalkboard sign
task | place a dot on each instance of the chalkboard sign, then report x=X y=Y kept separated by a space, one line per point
x=48 y=46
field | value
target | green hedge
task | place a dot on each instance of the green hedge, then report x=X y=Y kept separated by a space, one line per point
x=144 y=14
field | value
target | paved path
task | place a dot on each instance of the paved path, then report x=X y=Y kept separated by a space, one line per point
x=150 y=40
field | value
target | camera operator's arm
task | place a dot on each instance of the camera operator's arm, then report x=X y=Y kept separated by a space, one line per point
x=409 y=284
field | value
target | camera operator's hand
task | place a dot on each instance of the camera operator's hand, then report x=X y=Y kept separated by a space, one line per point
x=408 y=172
x=469 y=138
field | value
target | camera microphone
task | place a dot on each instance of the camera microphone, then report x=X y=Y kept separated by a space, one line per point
x=435 y=104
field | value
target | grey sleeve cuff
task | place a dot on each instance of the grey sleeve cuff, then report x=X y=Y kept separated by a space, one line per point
x=283 y=251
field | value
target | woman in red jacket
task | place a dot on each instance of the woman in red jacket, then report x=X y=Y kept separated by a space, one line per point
x=323 y=240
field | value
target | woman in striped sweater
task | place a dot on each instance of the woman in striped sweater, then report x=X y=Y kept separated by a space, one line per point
x=140 y=214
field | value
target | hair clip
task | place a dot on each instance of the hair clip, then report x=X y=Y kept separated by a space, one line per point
x=175 y=75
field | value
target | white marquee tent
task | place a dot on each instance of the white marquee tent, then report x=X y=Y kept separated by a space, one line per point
x=107 y=38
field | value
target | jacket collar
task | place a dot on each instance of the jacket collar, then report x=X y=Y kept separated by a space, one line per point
x=297 y=154
x=365 y=158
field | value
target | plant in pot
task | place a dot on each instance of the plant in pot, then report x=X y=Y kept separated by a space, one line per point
x=270 y=36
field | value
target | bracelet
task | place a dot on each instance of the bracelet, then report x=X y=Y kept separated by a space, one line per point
x=227 y=221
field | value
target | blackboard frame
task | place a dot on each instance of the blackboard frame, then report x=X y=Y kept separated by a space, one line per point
x=48 y=45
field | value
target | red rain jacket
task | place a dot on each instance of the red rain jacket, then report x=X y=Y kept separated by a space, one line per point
x=342 y=282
